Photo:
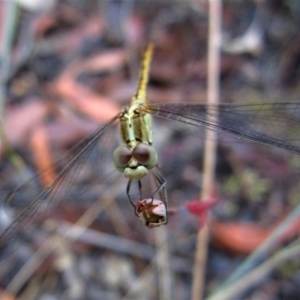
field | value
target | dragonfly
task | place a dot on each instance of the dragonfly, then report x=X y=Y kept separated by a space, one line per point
x=274 y=124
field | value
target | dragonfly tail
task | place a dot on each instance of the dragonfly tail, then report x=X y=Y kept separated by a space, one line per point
x=141 y=93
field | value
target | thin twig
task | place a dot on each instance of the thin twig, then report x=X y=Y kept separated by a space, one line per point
x=10 y=17
x=210 y=143
x=258 y=274
x=119 y=245
x=65 y=263
x=149 y=273
x=262 y=251
x=45 y=250
x=163 y=263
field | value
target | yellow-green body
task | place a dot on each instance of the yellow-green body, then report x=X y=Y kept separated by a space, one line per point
x=136 y=124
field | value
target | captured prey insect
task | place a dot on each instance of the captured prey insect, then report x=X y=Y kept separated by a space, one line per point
x=276 y=124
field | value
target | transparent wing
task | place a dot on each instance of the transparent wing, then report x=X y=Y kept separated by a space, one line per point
x=276 y=124
x=44 y=198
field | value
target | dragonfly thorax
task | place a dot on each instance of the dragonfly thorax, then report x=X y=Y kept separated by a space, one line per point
x=135 y=126
x=136 y=156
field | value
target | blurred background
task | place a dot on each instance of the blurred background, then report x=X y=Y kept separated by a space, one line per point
x=67 y=68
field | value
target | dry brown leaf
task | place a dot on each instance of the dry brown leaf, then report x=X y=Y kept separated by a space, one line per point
x=97 y=107
x=41 y=153
x=244 y=238
x=18 y=121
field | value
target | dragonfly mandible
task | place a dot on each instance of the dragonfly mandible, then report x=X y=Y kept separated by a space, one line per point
x=275 y=124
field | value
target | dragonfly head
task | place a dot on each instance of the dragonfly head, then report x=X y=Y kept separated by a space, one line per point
x=135 y=163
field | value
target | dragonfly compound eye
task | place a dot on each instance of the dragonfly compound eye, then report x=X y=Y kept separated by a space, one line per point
x=145 y=155
x=121 y=157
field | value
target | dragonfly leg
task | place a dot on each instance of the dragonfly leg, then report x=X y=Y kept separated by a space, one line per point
x=161 y=181
x=128 y=195
x=140 y=188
